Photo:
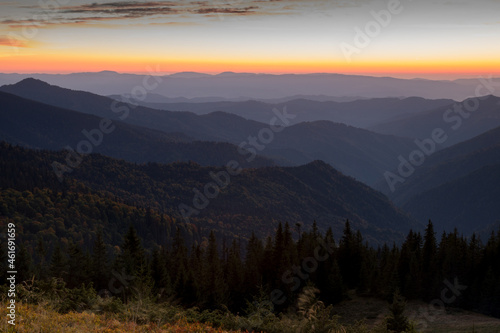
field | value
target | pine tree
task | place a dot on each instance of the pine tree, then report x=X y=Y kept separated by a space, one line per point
x=268 y=268
x=289 y=246
x=429 y=263
x=78 y=266
x=131 y=264
x=181 y=277
x=214 y=288
x=159 y=274
x=350 y=256
x=58 y=264
x=409 y=269
x=253 y=265
x=278 y=258
x=234 y=275
x=100 y=269
x=397 y=320
x=132 y=257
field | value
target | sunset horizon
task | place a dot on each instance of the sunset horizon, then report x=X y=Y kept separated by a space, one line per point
x=433 y=76
x=404 y=39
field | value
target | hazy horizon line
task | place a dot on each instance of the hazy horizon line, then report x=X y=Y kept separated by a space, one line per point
x=404 y=76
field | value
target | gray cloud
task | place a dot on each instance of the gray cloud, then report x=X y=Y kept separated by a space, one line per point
x=169 y=11
x=119 y=10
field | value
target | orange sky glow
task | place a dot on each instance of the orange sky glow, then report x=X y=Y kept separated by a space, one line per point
x=266 y=37
x=54 y=64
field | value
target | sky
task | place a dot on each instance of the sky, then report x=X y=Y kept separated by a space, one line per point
x=436 y=39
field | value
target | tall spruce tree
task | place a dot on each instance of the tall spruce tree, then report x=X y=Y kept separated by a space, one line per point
x=58 y=264
x=100 y=268
x=78 y=266
x=397 y=321
x=429 y=264
x=214 y=288
x=253 y=265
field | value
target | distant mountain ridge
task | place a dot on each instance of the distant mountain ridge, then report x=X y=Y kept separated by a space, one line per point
x=459 y=123
x=449 y=164
x=158 y=98
x=37 y=125
x=359 y=113
x=259 y=86
x=356 y=152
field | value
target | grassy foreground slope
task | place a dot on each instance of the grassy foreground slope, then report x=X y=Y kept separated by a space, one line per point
x=37 y=318
x=368 y=313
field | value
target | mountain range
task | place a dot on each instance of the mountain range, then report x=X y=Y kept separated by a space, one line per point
x=359 y=113
x=456 y=186
x=38 y=125
x=359 y=153
x=461 y=121
x=260 y=86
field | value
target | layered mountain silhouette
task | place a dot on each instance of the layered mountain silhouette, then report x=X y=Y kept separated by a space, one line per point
x=359 y=153
x=461 y=121
x=261 y=86
x=39 y=115
x=217 y=127
x=38 y=125
x=359 y=113
x=455 y=187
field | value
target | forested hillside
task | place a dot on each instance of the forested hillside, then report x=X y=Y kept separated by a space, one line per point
x=238 y=203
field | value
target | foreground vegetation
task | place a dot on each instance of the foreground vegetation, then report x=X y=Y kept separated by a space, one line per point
x=39 y=318
x=109 y=315
x=46 y=311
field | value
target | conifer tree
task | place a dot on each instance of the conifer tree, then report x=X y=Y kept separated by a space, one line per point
x=132 y=257
x=253 y=264
x=100 y=269
x=77 y=266
x=350 y=256
x=233 y=273
x=214 y=288
x=397 y=320
x=58 y=264
x=268 y=268
x=131 y=264
x=429 y=263
x=162 y=284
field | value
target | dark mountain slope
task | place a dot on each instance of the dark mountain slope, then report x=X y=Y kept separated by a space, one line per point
x=469 y=203
x=456 y=186
x=353 y=151
x=458 y=127
x=39 y=125
x=255 y=200
x=207 y=128
x=447 y=165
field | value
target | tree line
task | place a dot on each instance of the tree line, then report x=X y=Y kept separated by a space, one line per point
x=213 y=274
